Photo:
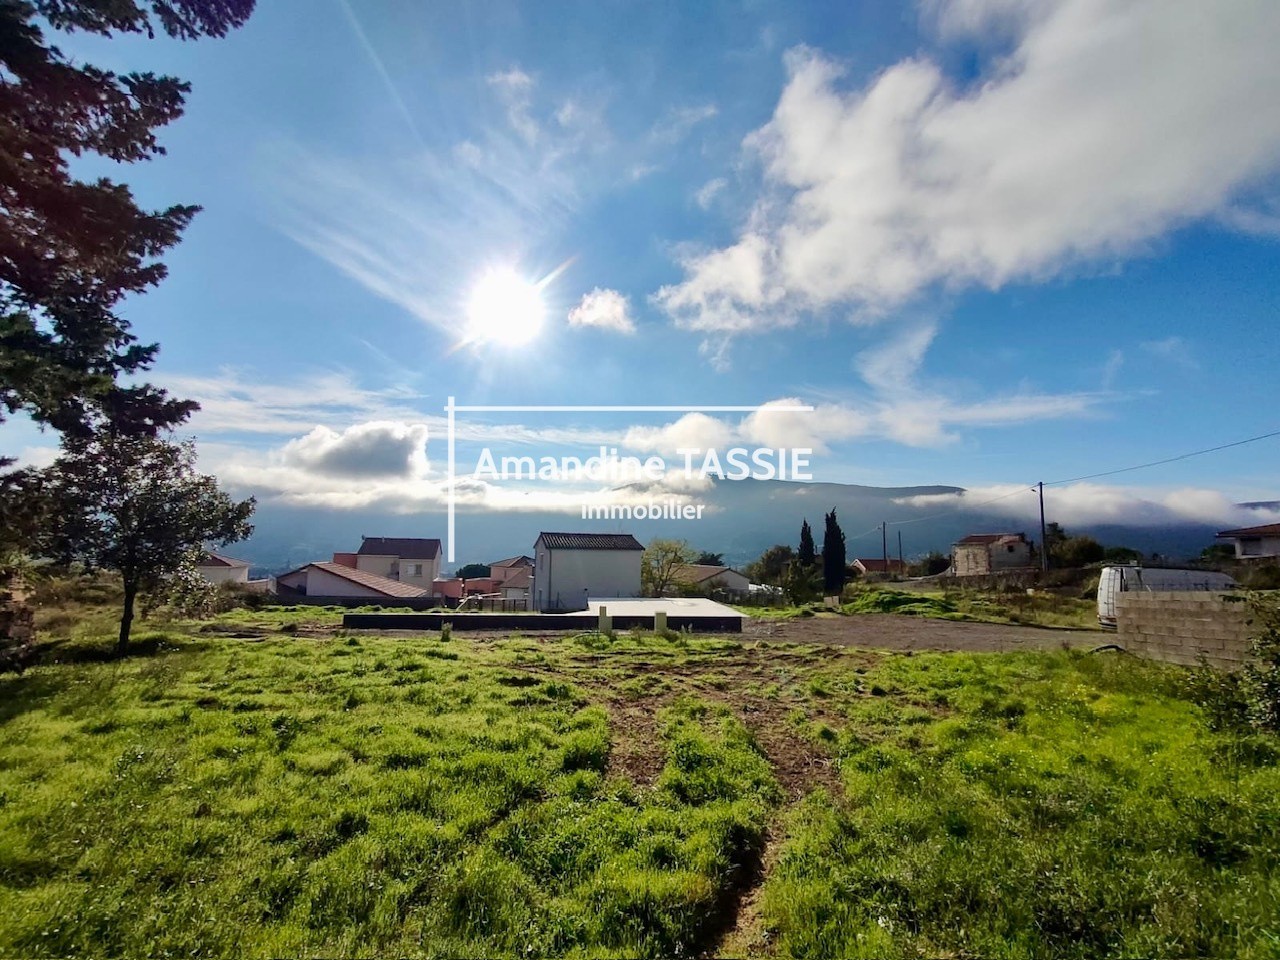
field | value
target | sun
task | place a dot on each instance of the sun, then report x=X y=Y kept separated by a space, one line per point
x=505 y=308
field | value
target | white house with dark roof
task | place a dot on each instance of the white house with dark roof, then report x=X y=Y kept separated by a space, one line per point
x=411 y=560
x=570 y=568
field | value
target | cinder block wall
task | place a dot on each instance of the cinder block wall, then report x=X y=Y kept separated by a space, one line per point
x=1184 y=628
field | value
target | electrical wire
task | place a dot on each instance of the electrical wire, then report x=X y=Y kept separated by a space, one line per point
x=968 y=508
x=1157 y=463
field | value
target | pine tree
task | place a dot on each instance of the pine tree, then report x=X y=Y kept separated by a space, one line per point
x=806 y=556
x=834 y=572
x=71 y=250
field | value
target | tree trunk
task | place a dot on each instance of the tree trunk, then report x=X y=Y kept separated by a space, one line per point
x=126 y=618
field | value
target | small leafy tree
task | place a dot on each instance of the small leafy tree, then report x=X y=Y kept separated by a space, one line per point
x=833 y=556
x=770 y=565
x=1122 y=555
x=931 y=564
x=138 y=506
x=1077 y=552
x=710 y=559
x=472 y=570
x=661 y=563
x=1261 y=676
x=801 y=583
x=807 y=555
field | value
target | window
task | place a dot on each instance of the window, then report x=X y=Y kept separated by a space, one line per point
x=415 y=569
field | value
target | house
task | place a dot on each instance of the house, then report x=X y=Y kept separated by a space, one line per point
x=216 y=568
x=516 y=587
x=411 y=560
x=891 y=567
x=571 y=567
x=504 y=570
x=1253 y=543
x=705 y=577
x=337 y=580
x=982 y=554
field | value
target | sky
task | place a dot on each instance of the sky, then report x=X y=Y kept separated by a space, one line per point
x=989 y=242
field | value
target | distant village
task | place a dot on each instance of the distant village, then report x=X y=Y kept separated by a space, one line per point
x=566 y=570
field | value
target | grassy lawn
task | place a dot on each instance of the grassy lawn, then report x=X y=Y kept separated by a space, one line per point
x=1041 y=609
x=316 y=793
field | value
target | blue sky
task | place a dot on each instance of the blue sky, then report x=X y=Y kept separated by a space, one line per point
x=991 y=241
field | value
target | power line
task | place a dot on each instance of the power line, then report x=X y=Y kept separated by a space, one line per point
x=1156 y=463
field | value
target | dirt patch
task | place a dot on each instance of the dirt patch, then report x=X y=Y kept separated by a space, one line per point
x=636 y=752
x=743 y=934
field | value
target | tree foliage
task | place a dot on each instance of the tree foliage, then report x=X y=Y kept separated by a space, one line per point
x=834 y=573
x=661 y=563
x=807 y=555
x=138 y=506
x=72 y=250
x=471 y=571
x=710 y=559
x=770 y=565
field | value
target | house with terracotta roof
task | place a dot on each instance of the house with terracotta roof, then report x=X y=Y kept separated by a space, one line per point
x=864 y=565
x=504 y=570
x=706 y=578
x=517 y=586
x=411 y=560
x=1254 y=543
x=982 y=554
x=216 y=568
x=571 y=568
x=339 y=581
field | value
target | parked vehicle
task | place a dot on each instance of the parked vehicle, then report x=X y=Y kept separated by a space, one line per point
x=1120 y=578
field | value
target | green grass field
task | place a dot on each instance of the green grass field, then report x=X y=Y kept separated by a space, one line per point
x=322 y=794
x=1041 y=609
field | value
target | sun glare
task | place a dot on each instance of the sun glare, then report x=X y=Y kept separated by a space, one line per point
x=505 y=308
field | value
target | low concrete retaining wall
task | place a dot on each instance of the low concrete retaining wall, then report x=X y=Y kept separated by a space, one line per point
x=531 y=621
x=1184 y=628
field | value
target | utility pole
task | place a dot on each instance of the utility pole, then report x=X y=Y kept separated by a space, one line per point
x=901 y=566
x=1044 y=546
x=884 y=543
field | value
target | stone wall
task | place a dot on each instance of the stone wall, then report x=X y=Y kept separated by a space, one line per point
x=1184 y=628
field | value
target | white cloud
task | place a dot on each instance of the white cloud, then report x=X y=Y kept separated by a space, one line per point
x=231 y=402
x=693 y=430
x=1090 y=504
x=380 y=449
x=679 y=121
x=607 y=309
x=515 y=88
x=1100 y=126
x=1174 y=349
x=708 y=192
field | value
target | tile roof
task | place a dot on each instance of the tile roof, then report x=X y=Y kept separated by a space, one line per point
x=383 y=585
x=878 y=564
x=211 y=559
x=522 y=579
x=1266 y=530
x=406 y=548
x=697 y=572
x=991 y=537
x=521 y=561
x=590 y=541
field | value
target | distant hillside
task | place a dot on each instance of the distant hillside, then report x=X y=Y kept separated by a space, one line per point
x=748 y=516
